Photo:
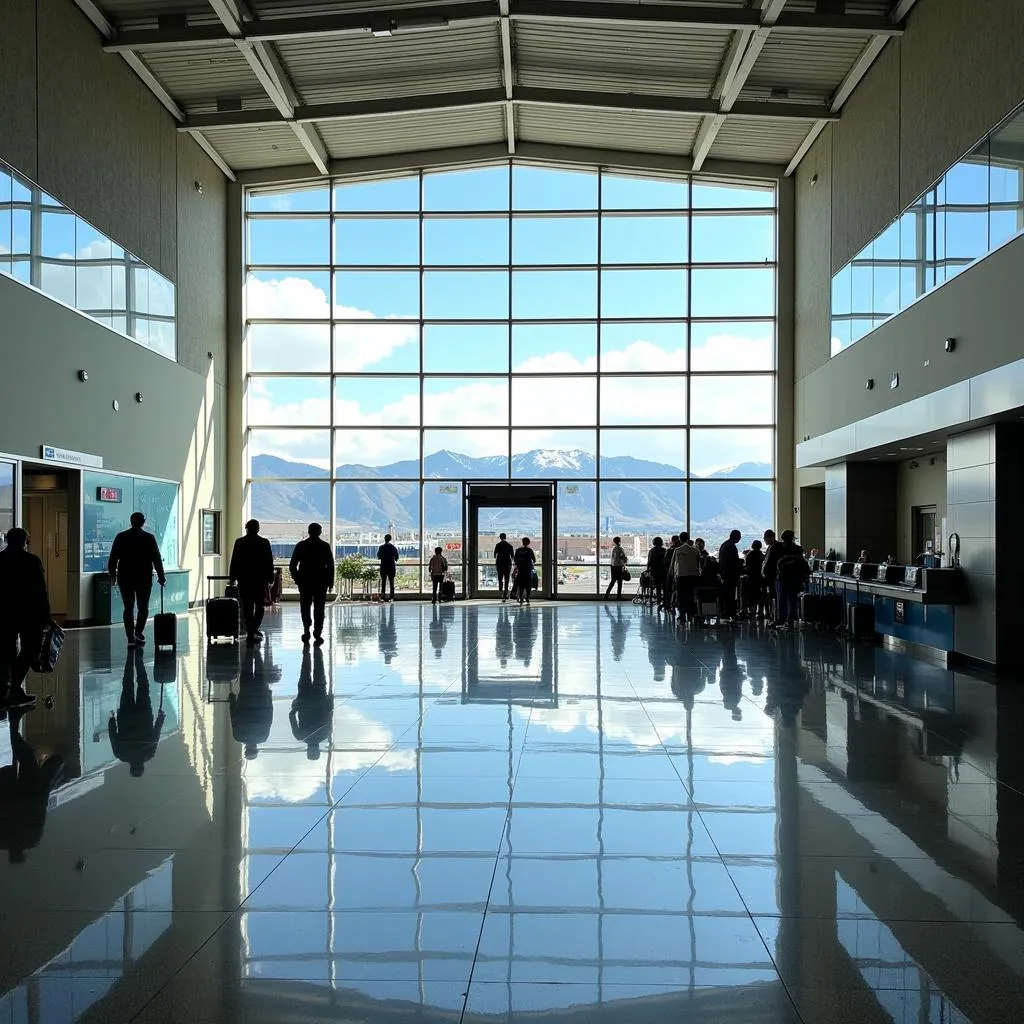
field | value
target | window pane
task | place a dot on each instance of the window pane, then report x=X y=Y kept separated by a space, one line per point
x=643 y=452
x=708 y=195
x=636 y=347
x=732 y=399
x=58 y=281
x=465 y=241
x=739 y=345
x=733 y=453
x=741 y=239
x=58 y=235
x=643 y=293
x=394 y=195
x=540 y=240
x=729 y=293
x=442 y=518
x=381 y=348
x=300 y=200
x=102 y=521
x=465 y=295
x=394 y=453
x=465 y=348
x=576 y=550
x=643 y=239
x=289 y=453
x=286 y=509
x=366 y=511
x=382 y=401
x=554 y=294
x=465 y=454
x=719 y=506
x=625 y=192
x=554 y=348
x=377 y=242
x=541 y=188
x=643 y=400
x=284 y=295
x=554 y=401
x=636 y=511
x=289 y=347
x=547 y=454
x=290 y=242
x=473 y=402
x=484 y=188
x=302 y=401
x=365 y=295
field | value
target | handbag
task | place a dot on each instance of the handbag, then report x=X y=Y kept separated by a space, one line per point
x=49 y=648
x=625 y=574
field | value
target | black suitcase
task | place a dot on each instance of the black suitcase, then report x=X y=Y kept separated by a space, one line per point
x=221 y=614
x=810 y=609
x=860 y=621
x=448 y=590
x=165 y=627
x=833 y=609
x=165 y=667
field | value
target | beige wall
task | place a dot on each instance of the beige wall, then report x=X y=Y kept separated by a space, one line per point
x=925 y=485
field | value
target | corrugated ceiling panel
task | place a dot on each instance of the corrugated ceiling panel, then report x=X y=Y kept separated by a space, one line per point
x=876 y=7
x=128 y=11
x=812 y=61
x=249 y=148
x=771 y=140
x=432 y=129
x=203 y=72
x=300 y=8
x=607 y=129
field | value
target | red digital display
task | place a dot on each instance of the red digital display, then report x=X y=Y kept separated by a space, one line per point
x=108 y=494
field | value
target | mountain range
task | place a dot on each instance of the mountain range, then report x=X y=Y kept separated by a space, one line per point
x=717 y=506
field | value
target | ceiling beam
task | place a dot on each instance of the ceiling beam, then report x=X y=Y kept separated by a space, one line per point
x=744 y=49
x=843 y=92
x=441 y=16
x=205 y=145
x=901 y=9
x=488 y=97
x=507 y=73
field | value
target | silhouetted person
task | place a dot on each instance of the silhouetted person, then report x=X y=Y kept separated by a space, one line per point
x=504 y=554
x=657 y=565
x=503 y=649
x=618 y=568
x=619 y=629
x=252 y=568
x=785 y=564
x=252 y=709
x=134 y=556
x=387 y=636
x=24 y=614
x=312 y=714
x=438 y=633
x=525 y=559
x=388 y=555
x=312 y=568
x=730 y=567
x=25 y=787
x=437 y=567
x=134 y=734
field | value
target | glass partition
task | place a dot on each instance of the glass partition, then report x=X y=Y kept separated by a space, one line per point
x=976 y=206
x=6 y=500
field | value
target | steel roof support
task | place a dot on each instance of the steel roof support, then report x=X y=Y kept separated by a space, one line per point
x=507 y=72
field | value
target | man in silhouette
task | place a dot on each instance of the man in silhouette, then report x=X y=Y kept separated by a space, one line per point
x=312 y=714
x=133 y=557
x=730 y=566
x=388 y=555
x=252 y=568
x=503 y=556
x=25 y=789
x=312 y=568
x=24 y=613
x=134 y=734
x=252 y=709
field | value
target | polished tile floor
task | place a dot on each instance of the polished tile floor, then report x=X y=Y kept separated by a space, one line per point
x=483 y=813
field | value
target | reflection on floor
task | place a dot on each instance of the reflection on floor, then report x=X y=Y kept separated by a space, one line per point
x=486 y=813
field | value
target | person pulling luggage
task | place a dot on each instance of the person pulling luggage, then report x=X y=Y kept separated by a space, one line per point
x=134 y=556
x=437 y=567
x=24 y=614
x=504 y=555
x=252 y=570
x=312 y=568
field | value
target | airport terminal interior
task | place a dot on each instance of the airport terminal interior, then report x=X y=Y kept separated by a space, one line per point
x=591 y=272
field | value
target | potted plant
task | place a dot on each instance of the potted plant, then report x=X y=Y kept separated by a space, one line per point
x=347 y=571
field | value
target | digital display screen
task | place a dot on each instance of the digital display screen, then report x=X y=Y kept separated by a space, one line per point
x=108 y=494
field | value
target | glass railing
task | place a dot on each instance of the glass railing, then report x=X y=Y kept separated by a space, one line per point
x=46 y=245
x=976 y=206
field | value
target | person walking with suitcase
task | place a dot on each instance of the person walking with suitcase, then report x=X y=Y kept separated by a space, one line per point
x=438 y=567
x=24 y=613
x=504 y=554
x=388 y=555
x=252 y=570
x=618 y=568
x=134 y=556
x=525 y=559
x=312 y=568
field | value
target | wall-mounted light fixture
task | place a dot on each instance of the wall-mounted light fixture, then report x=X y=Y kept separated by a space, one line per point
x=83 y=375
x=869 y=384
x=115 y=405
x=138 y=397
x=950 y=344
x=198 y=186
x=894 y=382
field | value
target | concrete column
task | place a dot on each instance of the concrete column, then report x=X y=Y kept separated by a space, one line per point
x=860 y=509
x=235 y=435
x=785 y=378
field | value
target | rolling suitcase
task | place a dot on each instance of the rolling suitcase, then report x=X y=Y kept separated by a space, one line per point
x=860 y=621
x=448 y=589
x=707 y=603
x=221 y=613
x=165 y=627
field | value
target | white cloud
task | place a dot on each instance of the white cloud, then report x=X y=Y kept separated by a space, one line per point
x=727 y=351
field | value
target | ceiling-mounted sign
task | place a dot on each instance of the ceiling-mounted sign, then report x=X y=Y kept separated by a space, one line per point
x=67 y=457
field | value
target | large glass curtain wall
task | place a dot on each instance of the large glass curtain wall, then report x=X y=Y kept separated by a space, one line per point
x=613 y=332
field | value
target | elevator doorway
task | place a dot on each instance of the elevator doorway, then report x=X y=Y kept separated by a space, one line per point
x=45 y=515
x=517 y=510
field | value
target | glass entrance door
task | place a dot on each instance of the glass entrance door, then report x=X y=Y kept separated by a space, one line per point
x=516 y=522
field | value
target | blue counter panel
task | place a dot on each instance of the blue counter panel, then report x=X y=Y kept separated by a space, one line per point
x=927 y=624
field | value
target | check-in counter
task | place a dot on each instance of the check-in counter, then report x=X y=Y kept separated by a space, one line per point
x=916 y=616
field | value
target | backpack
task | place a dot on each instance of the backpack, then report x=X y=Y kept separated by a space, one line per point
x=793 y=570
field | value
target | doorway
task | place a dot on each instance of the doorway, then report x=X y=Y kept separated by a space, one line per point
x=45 y=512
x=517 y=510
x=924 y=539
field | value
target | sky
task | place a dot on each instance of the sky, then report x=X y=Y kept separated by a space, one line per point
x=561 y=407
